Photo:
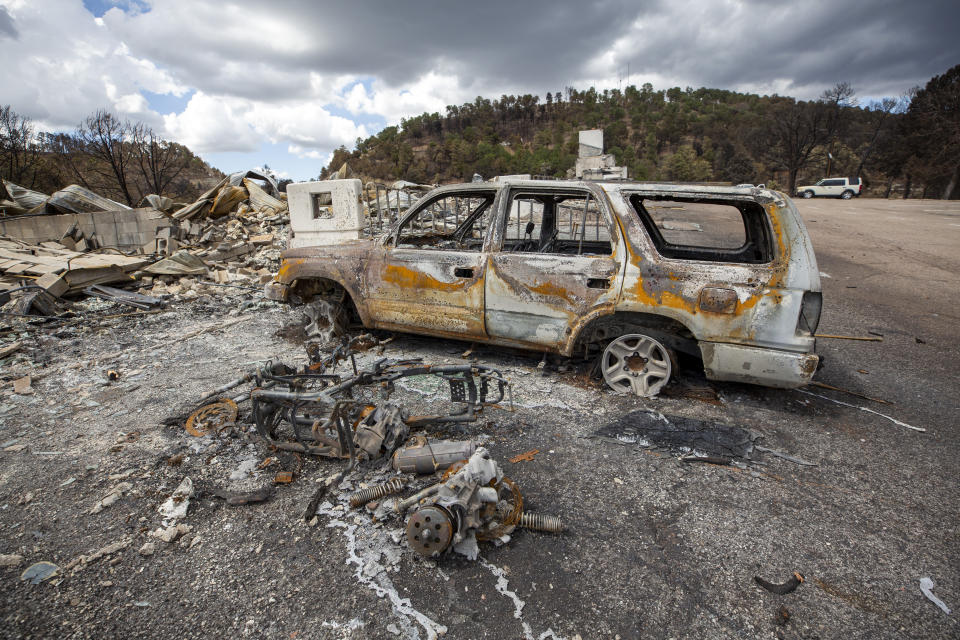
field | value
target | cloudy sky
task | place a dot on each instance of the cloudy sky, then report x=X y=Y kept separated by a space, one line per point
x=245 y=83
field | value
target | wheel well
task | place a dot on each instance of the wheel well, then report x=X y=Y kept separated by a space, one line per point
x=670 y=332
x=307 y=289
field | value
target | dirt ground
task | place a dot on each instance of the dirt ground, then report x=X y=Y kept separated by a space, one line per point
x=654 y=547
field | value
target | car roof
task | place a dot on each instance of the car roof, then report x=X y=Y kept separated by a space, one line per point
x=610 y=186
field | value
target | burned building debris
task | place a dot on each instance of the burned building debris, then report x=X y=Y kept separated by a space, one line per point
x=317 y=411
x=74 y=239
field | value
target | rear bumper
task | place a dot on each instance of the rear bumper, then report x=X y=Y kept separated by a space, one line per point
x=758 y=365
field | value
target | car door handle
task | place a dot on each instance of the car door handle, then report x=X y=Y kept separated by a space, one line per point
x=598 y=283
x=463 y=272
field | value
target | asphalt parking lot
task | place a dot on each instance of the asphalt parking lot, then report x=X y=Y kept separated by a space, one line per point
x=654 y=547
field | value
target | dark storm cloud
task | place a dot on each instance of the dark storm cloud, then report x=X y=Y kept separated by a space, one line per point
x=7 y=28
x=537 y=46
x=521 y=42
x=881 y=48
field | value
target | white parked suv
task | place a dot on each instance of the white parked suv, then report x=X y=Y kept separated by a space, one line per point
x=844 y=188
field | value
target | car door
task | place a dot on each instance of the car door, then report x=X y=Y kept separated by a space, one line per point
x=558 y=254
x=834 y=187
x=428 y=277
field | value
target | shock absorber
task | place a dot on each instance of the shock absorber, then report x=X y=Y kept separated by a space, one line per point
x=363 y=496
x=541 y=522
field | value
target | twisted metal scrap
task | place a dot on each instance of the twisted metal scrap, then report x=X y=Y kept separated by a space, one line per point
x=321 y=410
x=212 y=417
x=505 y=520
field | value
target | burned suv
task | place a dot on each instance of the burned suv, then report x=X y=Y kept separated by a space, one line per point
x=629 y=272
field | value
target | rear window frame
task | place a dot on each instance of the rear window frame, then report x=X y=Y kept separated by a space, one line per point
x=756 y=222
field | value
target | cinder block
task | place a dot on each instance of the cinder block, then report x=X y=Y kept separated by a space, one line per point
x=313 y=223
x=53 y=284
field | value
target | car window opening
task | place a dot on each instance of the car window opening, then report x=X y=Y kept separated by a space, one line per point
x=452 y=221
x=551 y=223
x=697 y=229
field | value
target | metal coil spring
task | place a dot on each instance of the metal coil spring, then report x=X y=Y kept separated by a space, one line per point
x=541 y=522
x=363 y=496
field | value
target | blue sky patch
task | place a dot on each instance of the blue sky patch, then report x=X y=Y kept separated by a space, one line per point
x=100 y=7
x=164 y=103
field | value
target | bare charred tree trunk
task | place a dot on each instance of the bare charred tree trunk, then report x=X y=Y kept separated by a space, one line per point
x=160 y=162
x=19 y=152
x=907 y=187
x=792 y=179
x=105 y=140
x=952 y=184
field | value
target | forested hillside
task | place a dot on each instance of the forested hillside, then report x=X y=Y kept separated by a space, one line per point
x=908 y=144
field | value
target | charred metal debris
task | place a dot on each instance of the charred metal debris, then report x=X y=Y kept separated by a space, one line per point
x=318 y=411
x=331 y=416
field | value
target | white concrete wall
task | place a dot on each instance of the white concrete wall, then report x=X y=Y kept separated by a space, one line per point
x=342 y=221
x=126 y=229
x=591 y=143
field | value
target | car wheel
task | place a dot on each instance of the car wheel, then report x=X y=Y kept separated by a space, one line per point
x=328 y=319
x=846 y=195
x=638 y=364
x=808 y=194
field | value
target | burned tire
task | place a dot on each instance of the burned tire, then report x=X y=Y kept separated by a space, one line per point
x=638 y=364
x=846 y=195
x=808 y=194
x=328 y=318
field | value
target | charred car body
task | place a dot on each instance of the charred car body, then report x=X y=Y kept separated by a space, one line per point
x=633 y=271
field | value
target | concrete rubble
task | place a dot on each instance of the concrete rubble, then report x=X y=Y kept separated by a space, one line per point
x=58 y=246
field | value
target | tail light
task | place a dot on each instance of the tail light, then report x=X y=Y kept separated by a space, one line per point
x=810 y=312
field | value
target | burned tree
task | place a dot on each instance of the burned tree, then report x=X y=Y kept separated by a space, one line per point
x=880 y=125
x=18 y=148
x=105 y=142
x=933 y=126
x=795 y=128
x=160 y=161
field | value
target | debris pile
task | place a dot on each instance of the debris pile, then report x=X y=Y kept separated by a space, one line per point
x=59 y=246
x=336 y=418
x=71 y=199
x=476 y=502
x=314 y=410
